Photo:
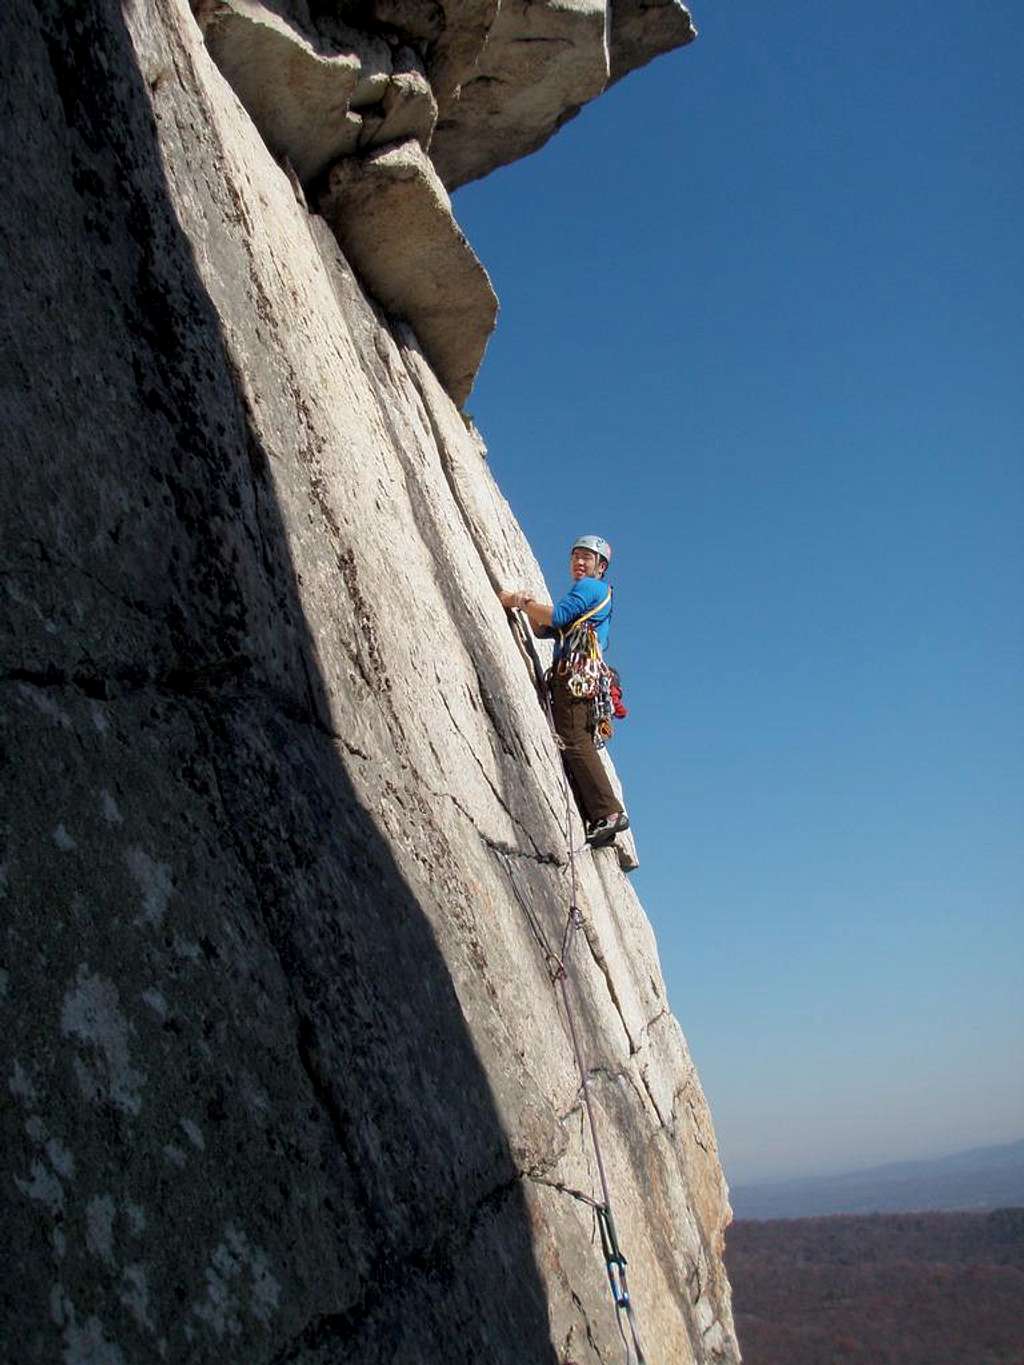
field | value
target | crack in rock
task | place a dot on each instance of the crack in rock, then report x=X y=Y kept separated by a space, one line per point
x=484 y=773
x=127 y=679
x=646 y=1029
x=601 y=962
x=47 y=559
x=561 y=1188
x=388 y=1275
x=446 y=464
x=591 y=1342
x=215 y=684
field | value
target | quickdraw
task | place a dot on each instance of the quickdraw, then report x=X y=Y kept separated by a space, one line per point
x=602 y=708
x=580 y=663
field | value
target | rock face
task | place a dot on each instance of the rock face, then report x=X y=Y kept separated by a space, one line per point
x=283 y=861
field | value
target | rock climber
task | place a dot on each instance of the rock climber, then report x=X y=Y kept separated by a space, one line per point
x=589 y=596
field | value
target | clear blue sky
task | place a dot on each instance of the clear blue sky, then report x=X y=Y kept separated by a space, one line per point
x=762 y=328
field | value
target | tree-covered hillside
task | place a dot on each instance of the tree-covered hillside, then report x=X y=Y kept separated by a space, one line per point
x=890 y=1289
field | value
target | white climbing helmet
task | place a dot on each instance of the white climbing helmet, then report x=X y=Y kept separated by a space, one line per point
x=595 y=543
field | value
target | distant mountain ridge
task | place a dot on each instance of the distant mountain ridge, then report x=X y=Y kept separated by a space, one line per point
x=979 y=1178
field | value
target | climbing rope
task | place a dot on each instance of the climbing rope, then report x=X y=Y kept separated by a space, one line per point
x=615 y=1261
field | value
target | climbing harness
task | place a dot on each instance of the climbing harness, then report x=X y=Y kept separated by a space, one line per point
x=587 y=676
x=579 y=653
x=557 y=964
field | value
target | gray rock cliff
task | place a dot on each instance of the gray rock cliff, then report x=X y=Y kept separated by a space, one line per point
x=283 y=859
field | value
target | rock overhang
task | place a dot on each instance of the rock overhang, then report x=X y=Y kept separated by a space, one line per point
x=474 y=84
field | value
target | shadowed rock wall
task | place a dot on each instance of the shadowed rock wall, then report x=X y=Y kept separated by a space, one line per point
x=284 y=1075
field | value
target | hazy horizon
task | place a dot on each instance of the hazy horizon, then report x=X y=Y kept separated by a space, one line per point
x=923 y=1159
x=764 y=1169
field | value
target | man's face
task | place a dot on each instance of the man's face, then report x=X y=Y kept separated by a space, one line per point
x=584 y=564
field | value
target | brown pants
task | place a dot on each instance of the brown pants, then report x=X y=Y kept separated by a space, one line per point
x=587 y=776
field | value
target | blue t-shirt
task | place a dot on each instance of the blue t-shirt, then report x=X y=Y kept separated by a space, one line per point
x=584 y=594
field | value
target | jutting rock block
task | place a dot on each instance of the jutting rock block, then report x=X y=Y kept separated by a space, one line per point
x=317 y=93
x=393 y=219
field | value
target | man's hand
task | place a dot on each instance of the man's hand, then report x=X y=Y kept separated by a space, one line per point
x=511 y=600
x=539 y=613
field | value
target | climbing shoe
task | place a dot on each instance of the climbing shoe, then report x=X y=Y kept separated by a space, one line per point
x=602 y=832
